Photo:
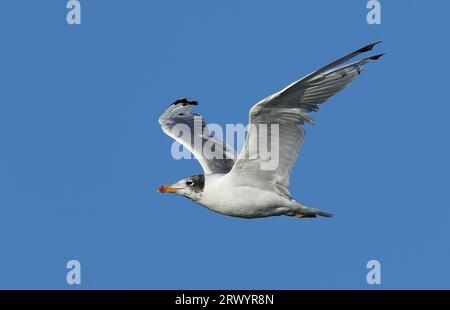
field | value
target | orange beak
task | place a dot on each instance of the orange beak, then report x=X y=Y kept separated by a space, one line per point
x=167 y=189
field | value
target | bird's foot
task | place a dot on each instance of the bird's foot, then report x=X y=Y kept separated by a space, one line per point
x=303 y=215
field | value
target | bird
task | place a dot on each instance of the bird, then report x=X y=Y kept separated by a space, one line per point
x=237 y=186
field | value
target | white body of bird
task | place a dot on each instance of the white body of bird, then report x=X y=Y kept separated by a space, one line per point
x=244 y=201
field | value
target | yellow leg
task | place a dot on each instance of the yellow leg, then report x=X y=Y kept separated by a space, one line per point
x=302 y=215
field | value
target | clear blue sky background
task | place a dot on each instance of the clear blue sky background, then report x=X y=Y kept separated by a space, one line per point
x=82 y=153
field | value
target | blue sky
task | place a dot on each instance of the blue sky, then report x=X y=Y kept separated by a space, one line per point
x=82 y=153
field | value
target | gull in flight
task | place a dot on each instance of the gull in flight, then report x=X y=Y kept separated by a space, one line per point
x=241 y=187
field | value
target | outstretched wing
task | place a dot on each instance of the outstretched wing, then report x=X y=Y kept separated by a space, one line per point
x=189 y=129
x=290 y=109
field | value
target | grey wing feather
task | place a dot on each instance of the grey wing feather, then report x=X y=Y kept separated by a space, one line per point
x=189 y=129
x=290 y=109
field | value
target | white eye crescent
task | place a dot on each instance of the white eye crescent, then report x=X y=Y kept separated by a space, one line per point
x=189 y=182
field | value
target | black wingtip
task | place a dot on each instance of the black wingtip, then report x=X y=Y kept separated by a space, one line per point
x=376 y=57
x=184 y=101
x=369 y=47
